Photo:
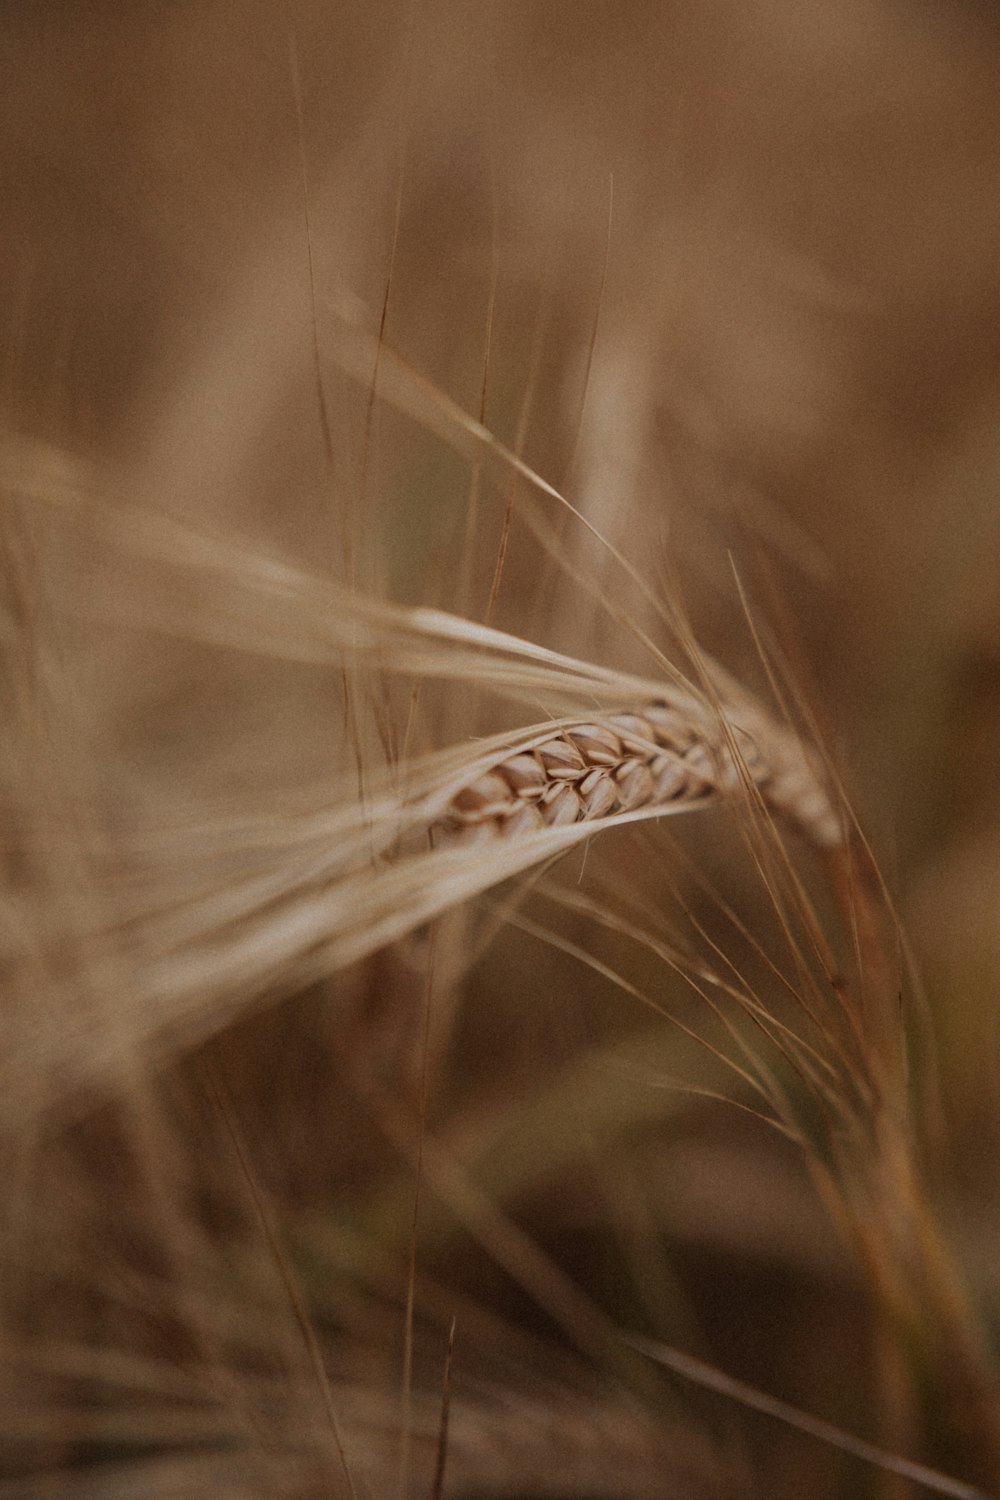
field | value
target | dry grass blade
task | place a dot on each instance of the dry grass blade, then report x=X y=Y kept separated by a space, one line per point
x=441 y=1457
x=696 y=1371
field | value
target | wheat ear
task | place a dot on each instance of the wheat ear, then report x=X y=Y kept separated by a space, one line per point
x=655 y=756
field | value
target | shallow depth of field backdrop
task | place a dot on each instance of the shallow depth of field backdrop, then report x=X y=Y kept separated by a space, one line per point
x=725 y=276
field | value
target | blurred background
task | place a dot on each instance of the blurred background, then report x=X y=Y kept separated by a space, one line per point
x=726 y=276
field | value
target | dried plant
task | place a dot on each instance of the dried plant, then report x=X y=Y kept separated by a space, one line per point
x=365 y=1020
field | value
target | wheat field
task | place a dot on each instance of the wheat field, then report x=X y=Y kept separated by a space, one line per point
x=500 y=724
